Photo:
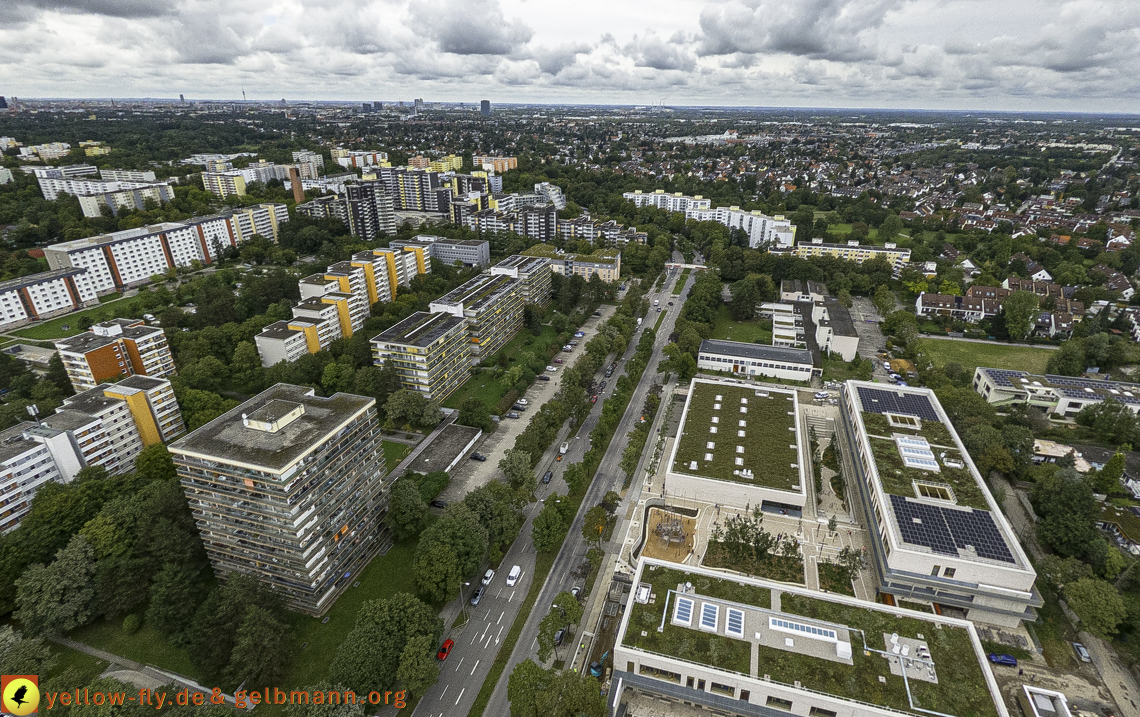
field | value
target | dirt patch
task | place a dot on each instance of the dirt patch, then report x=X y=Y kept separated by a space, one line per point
x=669 y=536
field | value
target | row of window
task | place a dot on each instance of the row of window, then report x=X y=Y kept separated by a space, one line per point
x=701 y=685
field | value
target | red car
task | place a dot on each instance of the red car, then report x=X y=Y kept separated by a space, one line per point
x=594 y=399
x=445 y=650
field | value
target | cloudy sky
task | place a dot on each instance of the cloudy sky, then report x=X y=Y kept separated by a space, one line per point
x=970 y=54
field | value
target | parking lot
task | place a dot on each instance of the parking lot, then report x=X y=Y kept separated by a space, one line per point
x=470 y=474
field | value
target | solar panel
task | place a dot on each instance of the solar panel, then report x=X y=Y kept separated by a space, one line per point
x=683 y=613
x=708 y=616
x=734 y=623
x=876 y=400
x=947 y=530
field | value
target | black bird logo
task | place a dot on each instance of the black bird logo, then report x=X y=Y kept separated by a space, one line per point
x=18 y=695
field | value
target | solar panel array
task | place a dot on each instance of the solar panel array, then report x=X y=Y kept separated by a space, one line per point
x=876 y=400
x=1005 y=377
x=946 y=530
x=1067 y=386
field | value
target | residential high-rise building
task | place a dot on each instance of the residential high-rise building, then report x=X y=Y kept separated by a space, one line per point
x=126 y=175
x=366 y=107
x=227 y=182
x=94 y=194
x=42 y=296
x=370 y=210
x=533 y=274
x=492 y=306
x=552 y=193
x=415 y=190
x=105 y=426
x=3 y=103
x=430 y=352
x=290 y=488
x=350 y=158
x=120 y=347
x=310 y=165
x=495 y=164
x=485 y=108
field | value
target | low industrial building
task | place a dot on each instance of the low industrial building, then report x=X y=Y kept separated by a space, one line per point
x=936 y=533
x=759 y=648
x=755 y=360
x=462 y=252
x=740 y=444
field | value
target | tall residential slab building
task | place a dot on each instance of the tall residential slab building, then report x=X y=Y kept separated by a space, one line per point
x=430 y=353
x=533 y=273
x=121 y=347
x=492 y=307
x=291 y=488
x=366 y=208
x=105 y=427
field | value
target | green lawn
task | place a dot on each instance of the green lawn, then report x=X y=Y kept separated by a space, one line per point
x=53 y=329
x=85 y=665
x=749 y=332
x=490 y=390
x=148 y=646
x=970 y=355
x=679 y=286
x=394 y=453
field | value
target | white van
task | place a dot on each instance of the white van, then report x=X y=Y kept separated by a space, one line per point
x=513 y=576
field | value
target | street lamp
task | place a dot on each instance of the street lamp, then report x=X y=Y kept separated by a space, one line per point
x=462 y=602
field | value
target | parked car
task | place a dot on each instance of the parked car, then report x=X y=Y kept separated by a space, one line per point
x=603 y=384
x=513 y=414
x=488 y=576
x=522 y=402
x=439 y=503
x=547 y=476
x=445 y=650
x=594 y=398
x=558 y=361
x=559 y=637
x=597 y=313
x=821 y=394
x=551 y=369
x=519 y=407
x=542 y=377
x=478 y=457
x=1007 y=660
x=670 y=303
x=478 y=595
x=513 y=576
x=609 y=372
x=1082 y=652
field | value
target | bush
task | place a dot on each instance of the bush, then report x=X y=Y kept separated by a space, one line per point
x=131 y=624
x=432 y=484
x=507 y=401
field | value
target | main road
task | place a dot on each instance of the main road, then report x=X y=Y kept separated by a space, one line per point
x=609 y=477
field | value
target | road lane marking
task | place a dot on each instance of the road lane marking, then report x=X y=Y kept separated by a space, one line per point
x=473 y=670
x=460 y=663
x=512 y=597
x=460 y=695
x=441 y=694
x=504 y=612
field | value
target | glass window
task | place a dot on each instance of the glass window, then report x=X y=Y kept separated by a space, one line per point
x=709 y=615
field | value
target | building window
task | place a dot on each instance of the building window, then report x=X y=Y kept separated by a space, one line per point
x=935 y=569
x=820 y=712
x=724 y=690
x=660 y=674
x=948 y=572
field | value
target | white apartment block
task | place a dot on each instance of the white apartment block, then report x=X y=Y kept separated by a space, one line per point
x=309 y=164
x=353 y=159
x=6 y=175
x=126 y=197
x=132 y=256
x=854 y=251
x=126 y=175
x=51 y=150
x=67 y=171
x=552 y=193
x=763 y=230
x=669 y=202
x=44 y=295
x=105 y=426
x=234 y=181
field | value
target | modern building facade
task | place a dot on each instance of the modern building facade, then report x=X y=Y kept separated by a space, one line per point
x=106 y=427
x=937 y=534
x=464 y=252
x=430 y=352
x=291 y=488
x=533 y=274
x=491 y=304
x=42 y=296
x=854 y=251
x=1058 y=396
x=120 y=347
x=755 y=360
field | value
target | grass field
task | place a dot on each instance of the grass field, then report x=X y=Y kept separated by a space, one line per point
x=483 y=386
x=970 y=355
x=394 y=453
x=148 y=646
x=749 y=332
x=53 y=329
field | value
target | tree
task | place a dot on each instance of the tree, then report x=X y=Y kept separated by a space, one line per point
x=418 y=668
x=57 y=375
x=494 y=505
x=57 y=598
x=436 y=571
x=473 y=412
x=515 y=465
x=460 y=534
x=155 y=463
x=565 y=612
x=851 y=562
x=407 y=511
x=1068 y=513
x=1108 y=478
x=173 y=599
x=1097 y=604
x=1059 y=571
x=890 y=228
x=260 y=650
x=884 y=300
x=575 y=477
x=371 y=653
x=412 y=407
x=525 y=689
x=549 y=528
x=1020 y=309
x=594 y=525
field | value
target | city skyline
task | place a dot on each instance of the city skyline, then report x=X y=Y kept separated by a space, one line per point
x=1059 y=55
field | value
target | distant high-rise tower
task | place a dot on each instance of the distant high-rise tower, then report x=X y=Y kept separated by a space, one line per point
x=419 y=104
x=377 y=106
x=365 y=106
x=485 y=108
x=3 y=103
x=182 y=98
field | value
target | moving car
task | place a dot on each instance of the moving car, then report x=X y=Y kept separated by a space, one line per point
x=547 y=476
x=513 y=576
x=1007 y=660
x=445 y=650
x=478 y=457
x=475 y=598
x=438 y=503
x=488 y=576
x=1082 y=652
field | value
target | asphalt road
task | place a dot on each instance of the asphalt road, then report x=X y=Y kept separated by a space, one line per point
x=609 y=477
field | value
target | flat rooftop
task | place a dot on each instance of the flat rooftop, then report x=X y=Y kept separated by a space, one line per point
x=598 y=256
x=936 y=499
x=421 y=329
x=115 y=237
x=794 y=636
x=444 y=448
x=756 y=352
x=1064 y=386
x=40 y=278
x=477 y=293
x=728 y=429
x=227 y=438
